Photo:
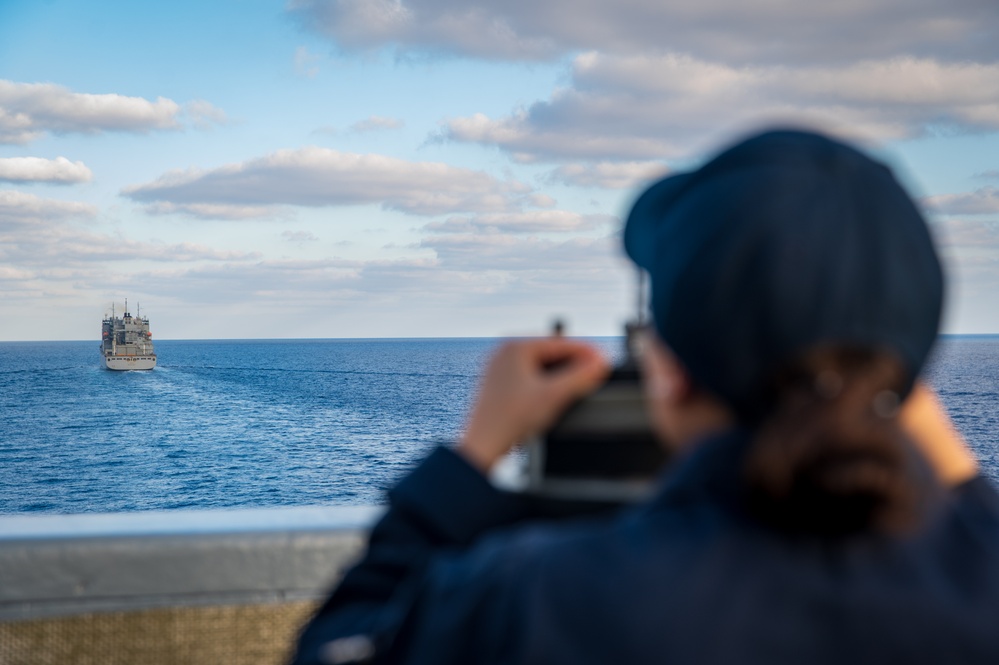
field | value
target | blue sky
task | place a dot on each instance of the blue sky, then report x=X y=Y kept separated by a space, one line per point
x=384 y=168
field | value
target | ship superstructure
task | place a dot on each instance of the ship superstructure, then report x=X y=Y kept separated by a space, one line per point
x=126 y=342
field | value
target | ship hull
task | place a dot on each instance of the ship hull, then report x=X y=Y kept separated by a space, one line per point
x=126 y=343
x=128 y=363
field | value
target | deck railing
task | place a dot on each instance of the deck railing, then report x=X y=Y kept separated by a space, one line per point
x=220 y=586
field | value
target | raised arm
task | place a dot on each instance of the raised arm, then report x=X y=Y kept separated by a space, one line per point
x=447 y=503
x=929 y=426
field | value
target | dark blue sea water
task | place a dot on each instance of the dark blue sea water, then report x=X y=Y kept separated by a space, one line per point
x=965 y=371
x=226 y=423
x=285 y=422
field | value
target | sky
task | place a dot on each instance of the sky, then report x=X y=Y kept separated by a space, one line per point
x=442 y=168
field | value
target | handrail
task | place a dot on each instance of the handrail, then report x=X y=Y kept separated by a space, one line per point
x=57 y=565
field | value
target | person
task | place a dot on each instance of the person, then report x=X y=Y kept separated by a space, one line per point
x=821 y=508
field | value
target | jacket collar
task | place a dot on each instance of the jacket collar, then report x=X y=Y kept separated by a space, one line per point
x=711 y=470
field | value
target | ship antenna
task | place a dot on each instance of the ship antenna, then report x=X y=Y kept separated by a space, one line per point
x=632 y=329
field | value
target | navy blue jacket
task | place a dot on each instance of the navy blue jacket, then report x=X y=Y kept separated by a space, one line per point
x=684 y=578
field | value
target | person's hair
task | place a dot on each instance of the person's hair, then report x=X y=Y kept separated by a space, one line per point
x=829 y=456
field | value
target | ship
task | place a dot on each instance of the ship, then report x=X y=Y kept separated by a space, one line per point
x=126 y=342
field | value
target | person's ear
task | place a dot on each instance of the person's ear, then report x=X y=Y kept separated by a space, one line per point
x=679 y=411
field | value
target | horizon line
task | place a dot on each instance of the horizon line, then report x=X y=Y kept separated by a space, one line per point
x=412 y=338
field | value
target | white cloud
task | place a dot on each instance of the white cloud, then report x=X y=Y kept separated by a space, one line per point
x=305 y=62
x=376 y=122
x=512 y=252
x=641 y=107
x=966 y=234
x=485 y=284
x=264 y=280
x=370 y=24
x=608 y=175
x=322 y=177
x=541 y=200
x=975 y=274
x=204 y=115
x=325 y=130
x=988 y=175
x=37 y=232
x=20 y=208
x=214 y=210
x=534 y=221
x=982 y=201
x=68 y=246
x=521 y=275
x=41 y=244
x=27 y=110
x=744 y=31
x=37 y=169
x=69 y=265
x=9 y=274
x=299 y=236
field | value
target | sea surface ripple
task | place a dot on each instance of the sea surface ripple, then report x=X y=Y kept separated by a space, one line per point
x=287 y=422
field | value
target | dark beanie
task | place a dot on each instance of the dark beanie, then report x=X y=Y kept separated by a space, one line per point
x=784 y=242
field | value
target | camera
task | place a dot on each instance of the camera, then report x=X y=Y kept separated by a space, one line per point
x=601 y=454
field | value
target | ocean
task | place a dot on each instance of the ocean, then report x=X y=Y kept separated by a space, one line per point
x=288 y=422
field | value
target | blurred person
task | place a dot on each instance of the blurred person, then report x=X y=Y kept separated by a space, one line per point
x=821 y=508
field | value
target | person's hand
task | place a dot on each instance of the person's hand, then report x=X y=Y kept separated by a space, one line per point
x=927 y=424
x=527 y=385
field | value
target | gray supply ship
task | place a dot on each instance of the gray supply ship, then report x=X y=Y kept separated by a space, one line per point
x=126 y=342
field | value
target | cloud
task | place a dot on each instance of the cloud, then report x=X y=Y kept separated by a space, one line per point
x=512 y=252
x=734 y=31
x=9 y=274
x=325 y=130
x=214 y=210
x=27 y=110
x=640 y=107
x=299 y=236
x=262 y=280
x=988 y=175
x=42 y=252
x=461 y=271
x=370 y=24
x=608 y=175
x=304 y=62
x=38 y=234
x=62 y=253
x=374 y=123
x=20 y=208
x=318 y=177
x=982 y=201
x=204 y=115
x=969 y=248
x=71 y=247
x=481 y=284
x=976 y=275
x=37 y=169
x=534 y=221
x=966 y=234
